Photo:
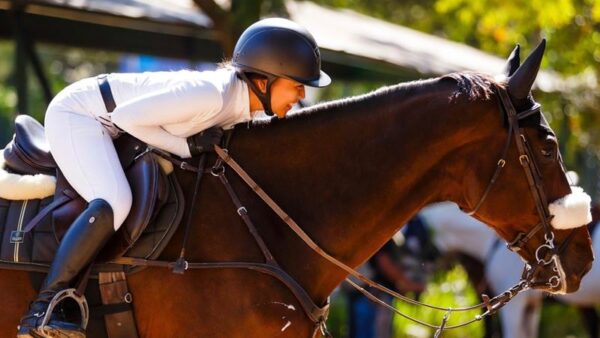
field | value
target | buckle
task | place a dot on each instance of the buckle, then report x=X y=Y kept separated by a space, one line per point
x=17 y=236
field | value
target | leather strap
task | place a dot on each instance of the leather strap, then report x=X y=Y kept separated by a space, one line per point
x=66 y=196
x=181 y=263
x=120 y=322
x=241 y=210
x=285 y=217
x=318 y=315
x=107 y=97
x=315 y=313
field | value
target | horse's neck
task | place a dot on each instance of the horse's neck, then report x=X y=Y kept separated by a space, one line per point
x=352 y=179
x=455 y=231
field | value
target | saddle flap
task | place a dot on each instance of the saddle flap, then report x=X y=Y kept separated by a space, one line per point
x=144 y=180
x=17 y=246
x=155 y=214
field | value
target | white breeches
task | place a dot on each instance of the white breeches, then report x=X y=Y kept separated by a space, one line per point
x=84 y=150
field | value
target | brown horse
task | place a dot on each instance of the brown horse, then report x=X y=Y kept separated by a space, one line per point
x=348 y=172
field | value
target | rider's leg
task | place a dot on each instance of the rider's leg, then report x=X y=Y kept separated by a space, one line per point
x=82 y=242
x=87 y=157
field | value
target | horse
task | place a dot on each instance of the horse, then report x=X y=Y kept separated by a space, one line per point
x=455 y=232
x=349 y=172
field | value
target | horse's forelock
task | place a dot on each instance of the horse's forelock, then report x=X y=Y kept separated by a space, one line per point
x=475 y=86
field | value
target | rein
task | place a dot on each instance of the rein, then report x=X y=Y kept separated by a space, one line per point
x=319 y=314
x=492 y=305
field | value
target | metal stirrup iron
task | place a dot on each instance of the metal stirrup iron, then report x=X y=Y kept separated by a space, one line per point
x=59 y=297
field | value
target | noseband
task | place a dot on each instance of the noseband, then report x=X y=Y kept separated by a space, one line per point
x=546 y=253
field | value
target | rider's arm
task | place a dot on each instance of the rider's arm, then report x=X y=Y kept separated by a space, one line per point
x=144 y=117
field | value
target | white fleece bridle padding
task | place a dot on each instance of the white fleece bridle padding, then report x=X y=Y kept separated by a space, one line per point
x=25 y=187
x=571 y=211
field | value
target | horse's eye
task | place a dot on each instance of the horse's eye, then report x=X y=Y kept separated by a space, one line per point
x=547 y=153
x=550 y=149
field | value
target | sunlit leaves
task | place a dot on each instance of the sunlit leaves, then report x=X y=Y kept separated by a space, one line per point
x=572 y=28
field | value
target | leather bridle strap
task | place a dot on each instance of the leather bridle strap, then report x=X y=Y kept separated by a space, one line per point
x=499 y=166
x=492 y=305
x=316 y=314
x=527 y=162
x=315 y=247
x=519 y=242
x=305 y=237
x=530 y=168
x=512 y=123
x=181 y=264
x=532 y=173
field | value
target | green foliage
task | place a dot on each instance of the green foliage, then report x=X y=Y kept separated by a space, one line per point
x=495 y=26
x=446 y=288
x=561 y=321
x=572 y=28
x=62 y=65
x=451 y=288
x=337 y=322
x=8 y=97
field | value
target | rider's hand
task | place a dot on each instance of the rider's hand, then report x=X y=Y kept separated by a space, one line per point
x=204 y=140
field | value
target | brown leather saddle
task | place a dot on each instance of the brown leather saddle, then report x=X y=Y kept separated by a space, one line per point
x=155 y=214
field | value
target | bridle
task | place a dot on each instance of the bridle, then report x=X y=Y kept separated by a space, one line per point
x=547 y=253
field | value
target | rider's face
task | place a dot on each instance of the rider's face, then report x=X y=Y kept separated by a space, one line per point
x=284 y=94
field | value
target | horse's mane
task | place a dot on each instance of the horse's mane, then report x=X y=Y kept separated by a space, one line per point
x=474 y=86
x=469 y=85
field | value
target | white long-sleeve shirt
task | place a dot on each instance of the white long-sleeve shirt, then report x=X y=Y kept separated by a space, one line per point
x=164 y=108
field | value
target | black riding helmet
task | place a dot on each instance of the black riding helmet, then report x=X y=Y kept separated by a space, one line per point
x=275 y=48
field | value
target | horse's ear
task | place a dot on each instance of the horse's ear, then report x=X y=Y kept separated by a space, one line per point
x=513 y=62
x=520 y=83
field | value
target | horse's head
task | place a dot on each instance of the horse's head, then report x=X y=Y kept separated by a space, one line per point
x=525 y=195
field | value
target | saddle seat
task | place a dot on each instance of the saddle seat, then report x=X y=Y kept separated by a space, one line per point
x=28 y=152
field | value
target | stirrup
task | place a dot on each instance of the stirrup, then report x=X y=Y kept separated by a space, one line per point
x=59 y=297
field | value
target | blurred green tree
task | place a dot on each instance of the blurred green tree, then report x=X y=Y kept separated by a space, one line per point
x=63 y=65
x=572 y=28
x=230 y=21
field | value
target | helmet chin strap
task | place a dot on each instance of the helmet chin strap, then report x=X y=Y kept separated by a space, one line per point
x=265 y=98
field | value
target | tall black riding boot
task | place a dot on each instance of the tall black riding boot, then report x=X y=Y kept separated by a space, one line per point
x=80 y=245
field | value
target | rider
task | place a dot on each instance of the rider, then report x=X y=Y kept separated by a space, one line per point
x=273 y=60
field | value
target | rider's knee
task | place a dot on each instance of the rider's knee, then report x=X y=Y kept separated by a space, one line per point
x=121 y=205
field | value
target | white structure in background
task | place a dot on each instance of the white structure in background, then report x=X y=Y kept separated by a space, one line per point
x=455 y=231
